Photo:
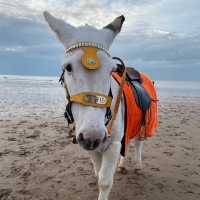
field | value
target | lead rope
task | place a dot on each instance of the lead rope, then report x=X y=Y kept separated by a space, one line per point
x=119 y=95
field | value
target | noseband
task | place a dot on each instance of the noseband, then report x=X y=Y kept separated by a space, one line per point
x=91 y=61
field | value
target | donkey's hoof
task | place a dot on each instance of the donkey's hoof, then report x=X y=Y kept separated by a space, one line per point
x=122 y=170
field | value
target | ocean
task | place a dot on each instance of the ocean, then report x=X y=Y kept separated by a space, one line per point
x=32 y=92
x=178 y=88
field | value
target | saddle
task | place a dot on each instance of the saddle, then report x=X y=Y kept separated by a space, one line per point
x=140 y=100
x=142 y=97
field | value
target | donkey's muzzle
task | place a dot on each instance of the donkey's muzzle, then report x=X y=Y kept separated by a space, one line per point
x=88 y=143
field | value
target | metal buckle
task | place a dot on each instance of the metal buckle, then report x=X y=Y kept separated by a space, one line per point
x=95 y=99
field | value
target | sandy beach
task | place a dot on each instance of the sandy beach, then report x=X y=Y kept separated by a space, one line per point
x=38 y=162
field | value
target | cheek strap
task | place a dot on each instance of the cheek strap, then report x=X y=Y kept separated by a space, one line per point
x=93 y=99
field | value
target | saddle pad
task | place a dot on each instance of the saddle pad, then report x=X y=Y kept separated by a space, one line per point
x=133 y=113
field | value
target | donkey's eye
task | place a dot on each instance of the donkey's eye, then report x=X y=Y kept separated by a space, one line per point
x=68 y=67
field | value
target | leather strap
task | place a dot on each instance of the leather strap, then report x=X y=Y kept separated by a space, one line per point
x=93 y=99
x=117 y=103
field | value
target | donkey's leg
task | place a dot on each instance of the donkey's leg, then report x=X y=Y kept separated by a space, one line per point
x=108 y=167
x=138 y=155
x=96 y=158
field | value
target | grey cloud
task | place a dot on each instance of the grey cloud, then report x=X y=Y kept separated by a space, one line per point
x=157 y=35
x=26 y=34
x=168 y=47
x=28 y=47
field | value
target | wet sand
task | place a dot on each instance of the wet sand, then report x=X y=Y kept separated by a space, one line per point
x=38 y=162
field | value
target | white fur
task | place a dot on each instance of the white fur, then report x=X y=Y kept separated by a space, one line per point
x=90 y=120
x=107 y=170
x=138 y=155
x=69 y=34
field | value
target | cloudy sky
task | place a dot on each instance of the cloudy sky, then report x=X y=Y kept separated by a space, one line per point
x=160 y=37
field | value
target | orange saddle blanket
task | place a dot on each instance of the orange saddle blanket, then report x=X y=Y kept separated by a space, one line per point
x=133 y=113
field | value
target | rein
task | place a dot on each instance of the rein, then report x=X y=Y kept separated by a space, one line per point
x=119 y=95
x=94 y=99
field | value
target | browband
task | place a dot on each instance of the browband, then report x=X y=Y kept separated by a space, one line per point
x=87 y=44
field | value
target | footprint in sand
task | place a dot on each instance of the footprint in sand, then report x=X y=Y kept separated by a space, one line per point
x=177 y=134
x=22 y=122
x=92 y=184
x=168 y=153
x=15 y=171
x=4 y=193
x=24 y=192
x=22 y=152
x=171 y=146
x=189 y=192
x=35 y=134
x=31 y=127
x=160 y=186
x=180 y=181
x=12 y=139
x=155 y=169
x=5 y=152
x=44 y=125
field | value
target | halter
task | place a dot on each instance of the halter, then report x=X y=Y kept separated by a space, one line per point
x=91 y=61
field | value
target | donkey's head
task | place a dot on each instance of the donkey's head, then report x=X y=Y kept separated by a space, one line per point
x=88 y=70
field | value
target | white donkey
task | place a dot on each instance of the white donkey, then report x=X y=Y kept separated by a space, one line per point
x=91 y=132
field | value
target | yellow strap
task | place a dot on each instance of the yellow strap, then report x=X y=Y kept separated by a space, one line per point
x=92 y=99
x=116 y=107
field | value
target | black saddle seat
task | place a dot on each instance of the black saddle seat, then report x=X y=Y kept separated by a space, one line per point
x=142 y=97
x=133 y=75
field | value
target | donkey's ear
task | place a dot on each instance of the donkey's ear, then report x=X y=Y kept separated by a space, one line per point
x=63 y=30
x=116 y=24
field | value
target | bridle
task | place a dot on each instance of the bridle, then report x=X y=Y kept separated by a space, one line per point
x=91 y=62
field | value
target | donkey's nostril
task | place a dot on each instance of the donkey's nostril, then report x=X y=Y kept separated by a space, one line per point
x=88 y=143
x=91 y=145
x=80 y=137
x=96 y=143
